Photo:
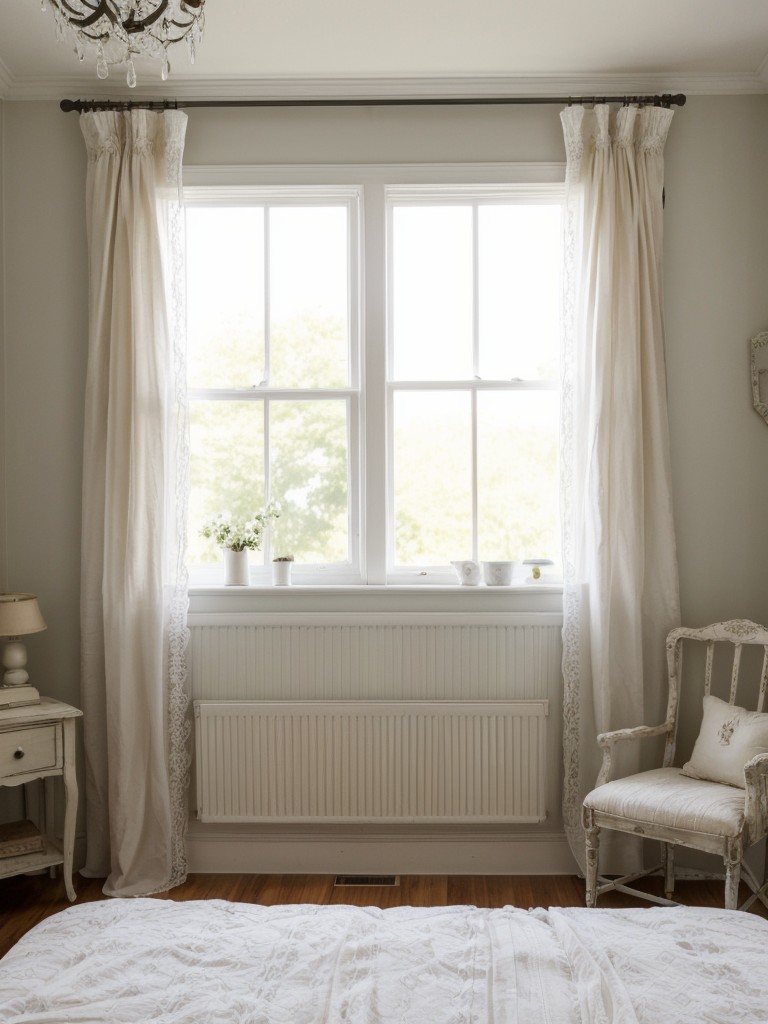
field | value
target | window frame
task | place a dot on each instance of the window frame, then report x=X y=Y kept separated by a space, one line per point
x=270 y=198
x=474 y=196
x=229 y=185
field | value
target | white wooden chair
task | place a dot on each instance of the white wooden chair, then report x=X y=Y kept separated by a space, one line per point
x=679 y=810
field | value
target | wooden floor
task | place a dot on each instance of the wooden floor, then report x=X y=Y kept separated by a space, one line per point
x=25 y=900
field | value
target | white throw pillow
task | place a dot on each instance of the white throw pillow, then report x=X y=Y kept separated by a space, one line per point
x=728 y=738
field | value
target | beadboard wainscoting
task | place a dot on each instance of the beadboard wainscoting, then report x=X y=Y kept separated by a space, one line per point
x=418 y=657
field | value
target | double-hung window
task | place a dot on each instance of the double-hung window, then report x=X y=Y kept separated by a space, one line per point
x=382 y=361
x=273 y=372
x=473 y=303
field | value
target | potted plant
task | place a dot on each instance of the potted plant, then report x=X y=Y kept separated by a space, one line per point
x=281 y=570
x=236 y=536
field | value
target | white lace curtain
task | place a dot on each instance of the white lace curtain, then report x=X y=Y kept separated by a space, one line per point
x=133 y=589
x=621 y=594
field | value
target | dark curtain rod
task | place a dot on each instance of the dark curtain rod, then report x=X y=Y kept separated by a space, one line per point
x=664 y=100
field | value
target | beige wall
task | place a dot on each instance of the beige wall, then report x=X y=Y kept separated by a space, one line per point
x=45 y=350
x=716 y=271
x=716 y=296
x=374 y=135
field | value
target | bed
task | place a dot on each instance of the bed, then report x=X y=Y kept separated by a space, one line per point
x=205 y=962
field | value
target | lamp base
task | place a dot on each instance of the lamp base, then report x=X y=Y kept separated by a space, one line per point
x=18 y=696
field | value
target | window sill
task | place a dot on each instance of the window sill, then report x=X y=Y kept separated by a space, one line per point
x=346 y=599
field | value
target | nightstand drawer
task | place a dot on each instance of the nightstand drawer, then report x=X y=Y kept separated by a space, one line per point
x=29 y=750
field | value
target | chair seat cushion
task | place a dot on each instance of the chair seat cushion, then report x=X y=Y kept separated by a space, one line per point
x=665 y=797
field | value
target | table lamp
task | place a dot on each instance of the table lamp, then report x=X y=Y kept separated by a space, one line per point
x=19 y=616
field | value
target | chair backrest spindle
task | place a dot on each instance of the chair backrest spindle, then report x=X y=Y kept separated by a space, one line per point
x=735 y=673
x=763 y=680
x=708 y=670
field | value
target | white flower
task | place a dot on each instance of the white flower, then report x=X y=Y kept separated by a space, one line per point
x=240 y=534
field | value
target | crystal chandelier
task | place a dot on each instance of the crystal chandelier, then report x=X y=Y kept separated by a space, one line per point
x=123 y=29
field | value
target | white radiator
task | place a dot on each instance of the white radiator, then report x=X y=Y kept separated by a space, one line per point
x=371 y=761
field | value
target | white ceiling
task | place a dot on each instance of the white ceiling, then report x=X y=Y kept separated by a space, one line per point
x=295 y=47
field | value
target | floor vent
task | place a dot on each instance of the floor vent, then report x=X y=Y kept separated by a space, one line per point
x=367 y=880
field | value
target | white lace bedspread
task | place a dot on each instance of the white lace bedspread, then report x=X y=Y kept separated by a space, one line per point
x=213 y=962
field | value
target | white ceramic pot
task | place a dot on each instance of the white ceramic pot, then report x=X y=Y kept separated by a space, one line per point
x=468 y=573
x=235 y=568
x=281 y=574
x=498 y=574
x=537 y=567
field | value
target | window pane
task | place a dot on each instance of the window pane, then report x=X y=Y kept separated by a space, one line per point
x=225 y=296
x=309 y=296
x=517 y=475
x=432 y=292
x=432 y=477
x=519 y=251
x=226 y=469
x=309 y=478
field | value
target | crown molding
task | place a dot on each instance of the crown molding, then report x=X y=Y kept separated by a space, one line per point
x=84 y=86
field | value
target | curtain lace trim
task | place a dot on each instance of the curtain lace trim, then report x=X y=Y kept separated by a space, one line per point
x=179 y=723
x=572 y=119
x=572 y=773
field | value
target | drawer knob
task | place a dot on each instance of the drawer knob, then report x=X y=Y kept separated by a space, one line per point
x=19 y=753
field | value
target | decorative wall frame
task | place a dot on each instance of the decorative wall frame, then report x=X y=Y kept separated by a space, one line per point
x=759 y=373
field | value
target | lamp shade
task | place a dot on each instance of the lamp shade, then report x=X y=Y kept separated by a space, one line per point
x=20 y=614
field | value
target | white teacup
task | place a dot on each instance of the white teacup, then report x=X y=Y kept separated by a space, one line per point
x=468 y=573
x=498 y=574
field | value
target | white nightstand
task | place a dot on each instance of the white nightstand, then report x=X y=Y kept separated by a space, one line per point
x=38 y=742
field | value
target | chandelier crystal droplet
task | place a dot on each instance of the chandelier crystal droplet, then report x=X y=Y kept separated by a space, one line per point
x=120 y=30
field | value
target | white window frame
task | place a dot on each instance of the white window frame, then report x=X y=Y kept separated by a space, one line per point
x=275 y=198
x=474 y=196
x=370 y=449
